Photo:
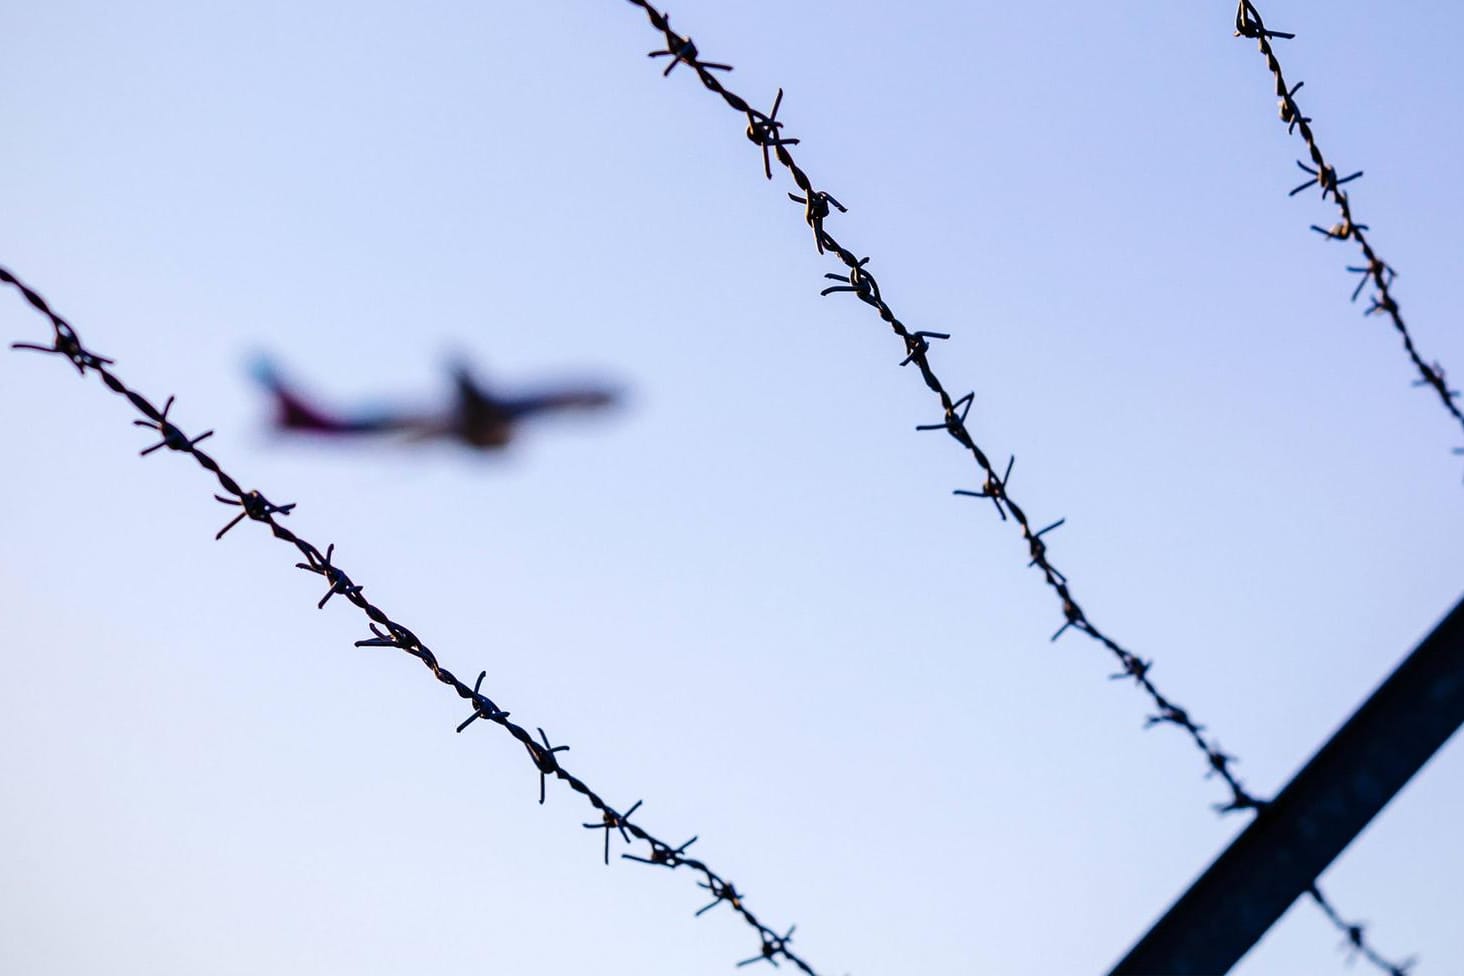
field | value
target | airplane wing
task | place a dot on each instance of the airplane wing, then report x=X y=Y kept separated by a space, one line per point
x=565 y=399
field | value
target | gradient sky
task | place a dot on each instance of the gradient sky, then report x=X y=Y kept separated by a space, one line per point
x=748 y=597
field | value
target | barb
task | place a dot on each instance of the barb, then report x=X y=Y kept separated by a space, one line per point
x=609 y=821
x=386 y=632
x=862 y=283
x=1374 y=271
x=763 y=131
x=173 y=438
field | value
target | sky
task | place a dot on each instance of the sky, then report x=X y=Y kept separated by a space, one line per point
x=748 y=596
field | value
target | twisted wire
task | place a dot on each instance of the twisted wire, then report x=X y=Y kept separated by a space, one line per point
x=1374 y=270
x=1355 y=938
x=765 y=131
x=387 y=632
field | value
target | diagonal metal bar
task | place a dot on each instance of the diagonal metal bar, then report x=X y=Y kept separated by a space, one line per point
x=1297 y=835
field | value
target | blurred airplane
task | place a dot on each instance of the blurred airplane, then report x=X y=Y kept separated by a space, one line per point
x=477 y=417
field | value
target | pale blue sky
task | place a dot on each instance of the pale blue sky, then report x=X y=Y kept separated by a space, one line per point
x=749 y=597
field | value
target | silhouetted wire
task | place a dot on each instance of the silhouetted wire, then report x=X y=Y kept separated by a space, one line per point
x=1249 y=23
x=1374 y=270
x=766 y=132
x=386 y=632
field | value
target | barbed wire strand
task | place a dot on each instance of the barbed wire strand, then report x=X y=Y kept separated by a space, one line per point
x=388 y=633
x=1250 y=24
x=765 y=131
x=1374 y=270
x=1355 y=941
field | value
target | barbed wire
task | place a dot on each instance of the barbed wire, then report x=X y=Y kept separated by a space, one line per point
x=1374 y=270
x=1355 y=941
x=765 y=131
x=253 y=505
x=1250 y=24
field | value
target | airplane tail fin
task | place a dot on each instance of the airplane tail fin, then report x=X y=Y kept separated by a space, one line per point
x=292 y=411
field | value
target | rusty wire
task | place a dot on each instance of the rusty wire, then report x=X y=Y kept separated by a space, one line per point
x=1322 y=174
x=253 y=505
x=766 y=133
